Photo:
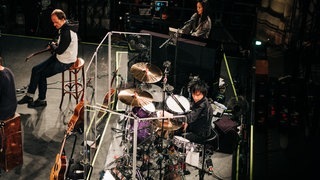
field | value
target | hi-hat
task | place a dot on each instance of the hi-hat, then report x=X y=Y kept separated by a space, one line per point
x=135 y=97
x=146 y=72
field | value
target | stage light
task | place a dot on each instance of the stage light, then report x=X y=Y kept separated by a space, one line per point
x=258 y=43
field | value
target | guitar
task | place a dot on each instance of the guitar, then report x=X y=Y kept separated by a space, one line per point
x=48 y=48
x=58 y=171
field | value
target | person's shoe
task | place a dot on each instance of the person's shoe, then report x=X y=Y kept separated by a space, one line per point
x=26 y=99
x=37 y=103
x=210 y=166
x=210 y=170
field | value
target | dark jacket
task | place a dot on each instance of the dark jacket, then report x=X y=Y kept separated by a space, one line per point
x=196 y=27
x=199 y=119
x=8 y=99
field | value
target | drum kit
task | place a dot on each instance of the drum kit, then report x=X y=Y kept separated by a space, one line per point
x=147 y=101
x=149 y=98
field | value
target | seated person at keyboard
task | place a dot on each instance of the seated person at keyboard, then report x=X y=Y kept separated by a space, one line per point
x=199 y=24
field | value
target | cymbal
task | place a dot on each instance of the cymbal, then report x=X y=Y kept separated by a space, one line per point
x=154 y=90
x=135 y=97
x=169 y=124
x=146 y=72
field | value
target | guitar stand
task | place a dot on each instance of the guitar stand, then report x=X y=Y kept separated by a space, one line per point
x=71 y=160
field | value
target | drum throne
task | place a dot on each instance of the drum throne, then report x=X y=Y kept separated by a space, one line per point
x=207 y=154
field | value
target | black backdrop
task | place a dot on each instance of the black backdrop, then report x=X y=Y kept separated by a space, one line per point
x=187 y=59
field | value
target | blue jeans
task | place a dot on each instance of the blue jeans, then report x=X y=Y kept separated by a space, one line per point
x=42 y=71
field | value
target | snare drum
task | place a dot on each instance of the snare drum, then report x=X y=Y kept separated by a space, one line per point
x=173 y=106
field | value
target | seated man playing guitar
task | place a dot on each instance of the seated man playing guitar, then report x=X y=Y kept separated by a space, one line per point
x=64 y=54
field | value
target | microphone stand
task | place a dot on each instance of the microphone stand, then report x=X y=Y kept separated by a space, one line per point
x=165 y=43
x=174 y=39
x=166 y=64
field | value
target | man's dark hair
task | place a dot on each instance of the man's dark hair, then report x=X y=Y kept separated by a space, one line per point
x=199 y=85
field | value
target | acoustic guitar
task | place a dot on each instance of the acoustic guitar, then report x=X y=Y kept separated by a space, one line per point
x=39 y=52
x=58 y=171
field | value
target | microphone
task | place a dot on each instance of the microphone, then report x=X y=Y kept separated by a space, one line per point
x=166 y=64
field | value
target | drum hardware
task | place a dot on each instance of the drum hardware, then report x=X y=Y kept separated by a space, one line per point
x=142 y=99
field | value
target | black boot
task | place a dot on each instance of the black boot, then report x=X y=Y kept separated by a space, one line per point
x=25 y=100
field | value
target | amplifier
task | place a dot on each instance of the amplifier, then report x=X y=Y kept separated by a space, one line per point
x=10 y=143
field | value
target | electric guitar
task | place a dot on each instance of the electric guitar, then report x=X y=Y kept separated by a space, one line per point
x=58 y=171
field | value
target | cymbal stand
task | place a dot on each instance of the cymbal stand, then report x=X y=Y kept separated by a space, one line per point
x=167 y=65
x=147 y=160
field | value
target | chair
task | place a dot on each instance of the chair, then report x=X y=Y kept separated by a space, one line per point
x=73 y=87
x=214 y=135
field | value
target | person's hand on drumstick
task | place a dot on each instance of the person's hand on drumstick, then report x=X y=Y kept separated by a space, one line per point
x=184 y=126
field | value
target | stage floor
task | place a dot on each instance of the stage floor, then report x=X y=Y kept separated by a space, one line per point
x=43 y=128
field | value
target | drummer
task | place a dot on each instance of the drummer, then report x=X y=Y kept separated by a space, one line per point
x=198 y=125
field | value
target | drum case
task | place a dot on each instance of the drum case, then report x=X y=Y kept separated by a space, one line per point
x=10 y=143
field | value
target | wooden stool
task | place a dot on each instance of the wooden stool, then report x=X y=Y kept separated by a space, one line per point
x=10 y=143
x=73 y=87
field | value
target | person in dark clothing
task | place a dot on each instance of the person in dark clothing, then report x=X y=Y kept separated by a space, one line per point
x=8 y=100
x=199 y=25
x=198 y=126
x=64 y=54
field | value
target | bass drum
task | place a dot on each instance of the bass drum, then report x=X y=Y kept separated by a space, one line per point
x=145 y=127
x=172 y=104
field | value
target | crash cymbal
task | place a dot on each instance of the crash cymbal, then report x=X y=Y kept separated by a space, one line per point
x=135 y=97
x=146 y=72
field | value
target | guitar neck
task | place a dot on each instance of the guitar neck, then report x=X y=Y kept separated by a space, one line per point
x=63 y=143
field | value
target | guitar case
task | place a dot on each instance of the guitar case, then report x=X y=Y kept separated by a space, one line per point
x=10 y=143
